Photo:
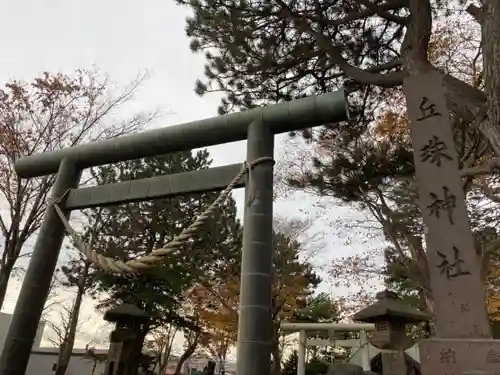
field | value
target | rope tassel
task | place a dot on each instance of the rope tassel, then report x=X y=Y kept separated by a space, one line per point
x=133 y=266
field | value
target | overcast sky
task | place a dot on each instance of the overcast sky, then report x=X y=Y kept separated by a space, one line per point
x=124 y=38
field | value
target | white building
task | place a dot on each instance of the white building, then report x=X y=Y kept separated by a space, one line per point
x=43 y=360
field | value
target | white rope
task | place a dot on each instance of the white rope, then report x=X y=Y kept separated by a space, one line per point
x=117 y=266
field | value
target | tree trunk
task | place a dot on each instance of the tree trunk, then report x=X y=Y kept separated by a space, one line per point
x=9 y=258
x=185 y=356
x=4 y=282
x=275 y=350
x=136 y=361
x=139 y=343
x=466 y=101
x=66 y=350
x=491 y=61
x=165 y=354
x=276 y=369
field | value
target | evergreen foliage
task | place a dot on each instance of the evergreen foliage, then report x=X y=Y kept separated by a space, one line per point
x=135 y=229
x=265 y=52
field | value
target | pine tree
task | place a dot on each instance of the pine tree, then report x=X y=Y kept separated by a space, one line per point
x=318 y=308
x=260 y=52
x=265 y=52
x=290 y=364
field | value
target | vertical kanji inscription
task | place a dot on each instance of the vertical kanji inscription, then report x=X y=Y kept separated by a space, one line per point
x=454 y=266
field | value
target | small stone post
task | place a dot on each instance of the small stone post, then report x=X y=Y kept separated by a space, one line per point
x=390 y=316
x=122 y=355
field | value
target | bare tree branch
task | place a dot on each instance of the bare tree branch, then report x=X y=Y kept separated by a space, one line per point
x=383 y=12
x=51 y=112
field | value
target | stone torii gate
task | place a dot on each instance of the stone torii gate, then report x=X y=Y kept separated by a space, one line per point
x=258 y=126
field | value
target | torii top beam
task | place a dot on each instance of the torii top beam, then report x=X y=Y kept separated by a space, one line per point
x=281 y=118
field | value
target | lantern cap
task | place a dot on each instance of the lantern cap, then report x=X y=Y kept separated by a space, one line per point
x=125 y=313
x=390 y=307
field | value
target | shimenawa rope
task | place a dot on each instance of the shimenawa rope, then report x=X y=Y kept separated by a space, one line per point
x=117 y=266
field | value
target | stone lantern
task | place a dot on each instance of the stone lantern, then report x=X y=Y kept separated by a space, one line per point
x=124 y=353
x=390 y=316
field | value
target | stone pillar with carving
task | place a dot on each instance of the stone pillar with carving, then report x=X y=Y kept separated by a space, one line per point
x=463 y=341
x=122 y=354
x=390 y=316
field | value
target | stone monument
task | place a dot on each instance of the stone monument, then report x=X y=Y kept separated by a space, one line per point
x=390 y=316
x=463 y=330
x=124 y=352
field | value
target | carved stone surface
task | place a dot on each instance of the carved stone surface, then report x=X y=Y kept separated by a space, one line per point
x=113 y=358
x=390 y=307
x=454 y=266
x=126 y=313
x=393 y=362
x=122 y=335
x=114 y=351
x=459 y=356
